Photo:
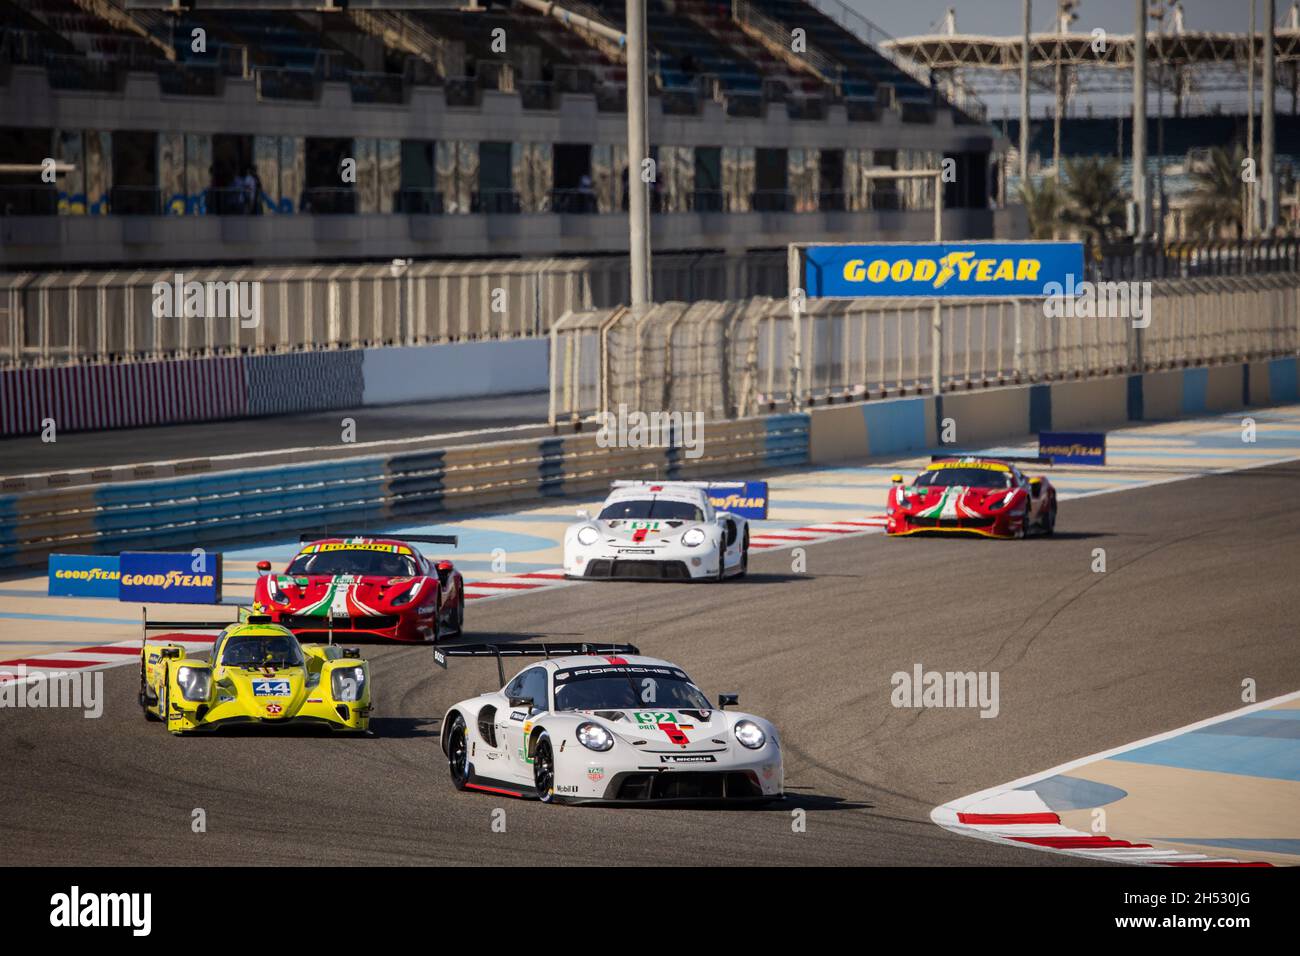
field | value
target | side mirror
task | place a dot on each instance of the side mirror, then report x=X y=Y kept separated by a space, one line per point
x=1036 y=487
x=584 y=514
x=354 y=652
x=728 y=700
x=264 y=566
x=896 y=479
x=171 y=653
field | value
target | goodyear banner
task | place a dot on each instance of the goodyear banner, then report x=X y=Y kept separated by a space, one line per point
x=746 y=499
x=1073 y=448
x=960 y=269
x=167 y=577
x=83 y=575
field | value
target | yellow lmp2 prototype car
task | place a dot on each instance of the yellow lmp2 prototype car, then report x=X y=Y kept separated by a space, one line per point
x=258 y=674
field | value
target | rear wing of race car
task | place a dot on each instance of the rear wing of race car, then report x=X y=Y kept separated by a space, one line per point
x=1016 y=459
x=449 y=539
x=745 y=499
x=440 y=654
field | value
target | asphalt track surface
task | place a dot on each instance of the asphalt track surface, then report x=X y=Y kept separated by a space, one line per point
x=126 y=446
x=1200 y=592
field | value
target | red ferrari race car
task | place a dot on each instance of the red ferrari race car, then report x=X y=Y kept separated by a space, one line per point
x=361 y=585
x=975 y=495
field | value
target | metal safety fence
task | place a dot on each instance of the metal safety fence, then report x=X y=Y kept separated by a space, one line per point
x=734 y=358
x=73 y=318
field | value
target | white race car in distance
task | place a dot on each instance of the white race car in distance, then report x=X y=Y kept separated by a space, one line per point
x=660 y=530
x=601 y=724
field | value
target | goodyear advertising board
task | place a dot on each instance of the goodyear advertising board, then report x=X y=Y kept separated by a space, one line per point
x=83 y=575
x=170 y=577
x=745 y=499
x=958 y=269
x=1073 y=448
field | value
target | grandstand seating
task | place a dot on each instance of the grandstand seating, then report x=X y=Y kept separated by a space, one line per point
x=865 y=69
x=697 y=51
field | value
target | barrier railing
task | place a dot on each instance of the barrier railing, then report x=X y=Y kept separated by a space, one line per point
x=737 y=358
x=366 y=492
x=60 y=318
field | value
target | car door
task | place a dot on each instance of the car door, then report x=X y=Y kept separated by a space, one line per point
x=532 y=683
x=731 y=542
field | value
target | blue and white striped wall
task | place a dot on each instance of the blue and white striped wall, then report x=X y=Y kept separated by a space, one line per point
x=847 y=432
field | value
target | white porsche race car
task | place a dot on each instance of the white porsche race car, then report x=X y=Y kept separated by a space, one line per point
x=595 y=723
x=665 y=531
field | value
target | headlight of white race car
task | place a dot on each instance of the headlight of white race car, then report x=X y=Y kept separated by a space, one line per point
x=693 y=538
x=595 y=737
x=750 y=734
x=588 y=536
x=348 y=683
x=196 y=682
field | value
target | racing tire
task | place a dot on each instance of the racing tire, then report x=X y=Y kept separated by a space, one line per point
x=164 y=696
x=744 y=556
x=544 y=768
x=460 y=614
x=1024 y=523
x=458 y=754
x=437 y=628
x=149 y=715
x=1049 y=520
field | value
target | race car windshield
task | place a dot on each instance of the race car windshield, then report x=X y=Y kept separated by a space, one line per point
x=965 y=478
x=382 y=564
x=652 y=508
x=627 y=692
x=253 y=650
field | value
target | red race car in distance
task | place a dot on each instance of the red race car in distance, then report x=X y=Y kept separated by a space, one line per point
x=973 y=495
x=354 y=585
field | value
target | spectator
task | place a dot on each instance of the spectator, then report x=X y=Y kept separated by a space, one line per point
x=243 y=191
x=257 y=191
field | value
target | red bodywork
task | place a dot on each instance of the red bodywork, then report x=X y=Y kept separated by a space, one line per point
x=990 y=498
x=353 y=601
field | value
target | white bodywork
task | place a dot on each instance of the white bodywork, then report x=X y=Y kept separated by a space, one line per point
x=674 y=547
x=660 y=751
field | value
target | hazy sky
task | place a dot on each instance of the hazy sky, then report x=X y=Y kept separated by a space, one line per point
x=1003 y=16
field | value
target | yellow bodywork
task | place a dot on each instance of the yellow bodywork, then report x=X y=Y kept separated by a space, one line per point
x=260 y=693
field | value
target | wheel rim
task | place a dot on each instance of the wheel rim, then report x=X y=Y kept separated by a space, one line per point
x=164 y=710
x=458 y=759
x=543 y=770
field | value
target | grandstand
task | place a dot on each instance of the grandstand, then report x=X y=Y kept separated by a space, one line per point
x=474 y=132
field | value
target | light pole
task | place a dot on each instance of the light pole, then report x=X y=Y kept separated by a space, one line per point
x=637 y=152
x=1266 y=125
x=1024 y=100
x=1158 y=11
x=1140 y=121
x=1252 y=198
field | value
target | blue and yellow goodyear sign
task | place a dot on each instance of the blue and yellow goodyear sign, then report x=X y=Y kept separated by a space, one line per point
x=83 y=575
x=1073 y=448
x=170 y=577
x=745 y=499
x=961 y=269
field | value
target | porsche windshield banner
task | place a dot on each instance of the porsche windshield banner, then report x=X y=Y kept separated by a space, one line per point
x=959 y=269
